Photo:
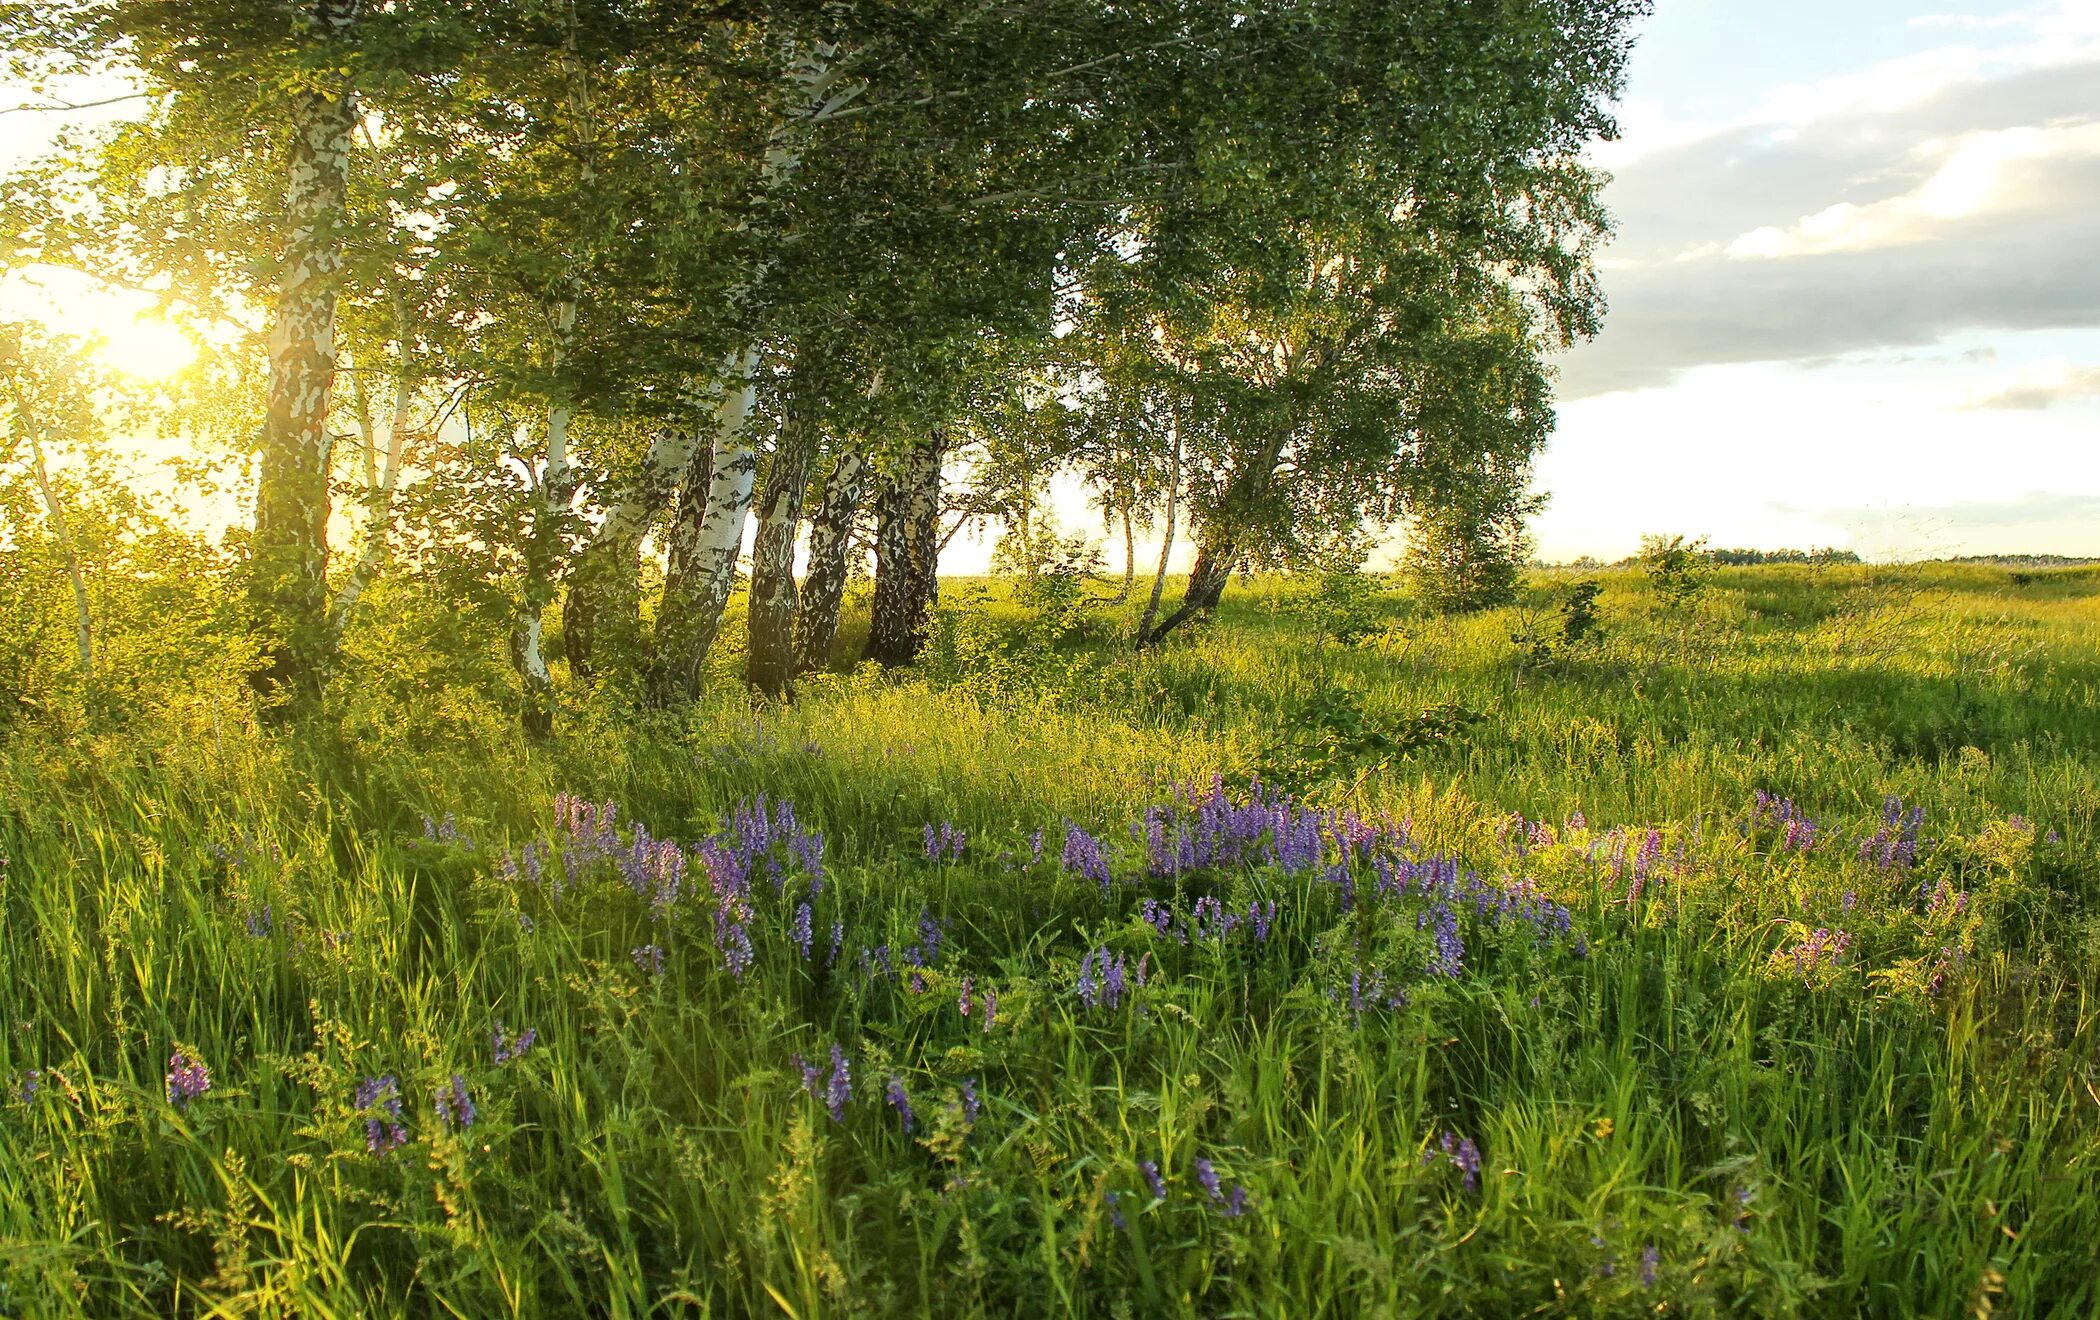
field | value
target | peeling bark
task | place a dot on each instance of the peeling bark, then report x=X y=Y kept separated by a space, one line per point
x=907 y=537
x=824 y=579
x=771 y=617
x=1207 y=579
x=706 y=537
x=288 y=566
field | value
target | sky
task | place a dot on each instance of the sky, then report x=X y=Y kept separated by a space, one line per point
x=1855 y=287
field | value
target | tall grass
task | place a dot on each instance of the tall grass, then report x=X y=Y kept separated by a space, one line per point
x=1683 y=1102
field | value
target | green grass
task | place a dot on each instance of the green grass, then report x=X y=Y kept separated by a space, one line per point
x=1916 y=1125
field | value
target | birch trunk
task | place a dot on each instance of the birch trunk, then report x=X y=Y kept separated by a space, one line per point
x=556 y=488
x=706 y=537
x=1207 y=579
x=288 y=567
x=824 y=581
x=906 y=551
x=1166 y=546
x=771 y=616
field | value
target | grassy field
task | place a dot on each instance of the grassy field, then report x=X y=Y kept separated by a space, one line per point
x=1744 y=959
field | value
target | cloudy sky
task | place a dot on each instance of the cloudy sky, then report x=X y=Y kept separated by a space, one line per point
x=1855 y=289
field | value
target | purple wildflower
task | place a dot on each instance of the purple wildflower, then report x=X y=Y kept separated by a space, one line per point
x=187 y=1077
x=901 y=1102
x=507 y=1048
x=648 y=957
x=962 y=1000
x=970 y=1103
x=1158 y=1184
x=455 y=1104
x=839 y=1089
x=1465 y=1156
x=1083 y=857
x=1115 y=1213
x=800 y=934
x=1207 y=1175
x=1650 y=1258
x=379 y=1099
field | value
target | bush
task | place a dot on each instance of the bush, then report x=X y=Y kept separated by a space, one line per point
x=1460 y=561
x=1677 y=569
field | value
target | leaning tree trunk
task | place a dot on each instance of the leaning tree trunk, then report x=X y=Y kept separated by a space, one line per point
x=1207 y=579
x=824 y=580
x=288 y=566
x=907 y=549
x=706 y=536
x=772 y=611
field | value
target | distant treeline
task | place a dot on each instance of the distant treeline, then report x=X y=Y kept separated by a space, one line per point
x=2027 y=561
x=1824 y=556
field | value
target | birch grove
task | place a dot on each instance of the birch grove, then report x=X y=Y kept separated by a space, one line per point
x=643 y=267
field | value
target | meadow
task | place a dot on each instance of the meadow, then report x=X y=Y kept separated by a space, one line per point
x=1741 y=956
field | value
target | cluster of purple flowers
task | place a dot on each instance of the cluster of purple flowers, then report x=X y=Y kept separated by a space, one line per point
x=592 y=831
x=833 y=1092
x=1200 y=832
x=1447 y=951
x=1894 y=846
x=1370 y=991
x=1209 y=919
x=506 y=1048
x=445 y=831
x=454 y=1104
x=1944 y=966
x=530 y=866
x=1797 y=833
x=756 y=836
x=946 y=841
x=379 y=1100
x=1233 y=1206
x=1823 y=948
x=1461 y=1154
x=894 y=1093
x=648 y=957
x=1104 y=980
x=187 y=1078
x=654 y=869
x=1944 y=896
x=801 y=932
x=258 y=923
x=1083 y=857
x=927 y=951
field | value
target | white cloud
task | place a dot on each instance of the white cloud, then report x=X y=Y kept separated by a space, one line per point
x=1974 y=174
x=2050 y=385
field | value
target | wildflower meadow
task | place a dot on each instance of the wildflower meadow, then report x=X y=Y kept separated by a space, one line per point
x=1744 y=961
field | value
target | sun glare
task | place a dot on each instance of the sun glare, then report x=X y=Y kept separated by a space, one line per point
x=134 y=340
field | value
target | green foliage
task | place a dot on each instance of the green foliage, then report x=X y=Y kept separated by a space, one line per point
x=1678 y=570
x=1334 y=743
x=1347 y=605
x=1462 y=559
x=1850 y=1139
